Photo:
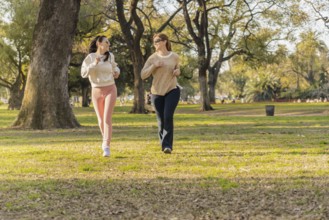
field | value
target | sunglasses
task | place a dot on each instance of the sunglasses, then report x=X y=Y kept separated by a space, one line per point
x=157 y=41
x=104 y=41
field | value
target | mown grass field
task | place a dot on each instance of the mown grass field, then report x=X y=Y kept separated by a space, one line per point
x=231 y=163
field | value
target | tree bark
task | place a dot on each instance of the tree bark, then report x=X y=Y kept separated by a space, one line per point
x=213 y=76
x=46 y=99
x=212 y=85
x=203 y=66
x=204 y=92
x=17 y=89
x=16 y=92
x=85 y=88
x=139 y=99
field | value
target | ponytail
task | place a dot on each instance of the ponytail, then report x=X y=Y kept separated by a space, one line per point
x=93 y=45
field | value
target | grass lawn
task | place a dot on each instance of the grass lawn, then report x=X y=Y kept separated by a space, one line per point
x=231 y=163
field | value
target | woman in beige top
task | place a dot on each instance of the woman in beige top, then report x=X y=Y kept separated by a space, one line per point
x=163 y=65
x=101 y=69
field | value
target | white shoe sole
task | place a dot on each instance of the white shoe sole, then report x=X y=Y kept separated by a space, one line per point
x=167 y=150
x=106 y=152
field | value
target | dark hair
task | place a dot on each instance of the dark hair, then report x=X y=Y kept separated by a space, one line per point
x=163 y=37
x=93 y=46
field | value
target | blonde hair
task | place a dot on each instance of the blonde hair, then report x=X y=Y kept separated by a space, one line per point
x=163 y=37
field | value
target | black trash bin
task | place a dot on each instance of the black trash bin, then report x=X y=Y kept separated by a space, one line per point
x=269 y=110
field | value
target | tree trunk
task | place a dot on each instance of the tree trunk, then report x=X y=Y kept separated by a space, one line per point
x=16 y=93
x=212 y=85
x=203 y=66
x=85 y=88
x=205 y=102
x=201 y=39
x=213 y=77
x=85 y=97
x=16 y=90
x=139 y=99
x=15 y=98
x=133 y=43
x=46 y=99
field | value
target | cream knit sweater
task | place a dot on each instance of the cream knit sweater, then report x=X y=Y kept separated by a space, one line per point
x=100 y=74
x=163 y=79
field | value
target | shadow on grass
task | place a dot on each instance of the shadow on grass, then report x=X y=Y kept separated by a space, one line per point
x=166 y=198
x=293 y=134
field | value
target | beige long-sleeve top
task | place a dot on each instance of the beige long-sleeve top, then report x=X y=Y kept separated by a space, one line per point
x=100 y=74
x=163 y=79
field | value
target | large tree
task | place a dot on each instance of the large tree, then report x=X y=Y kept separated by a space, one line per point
x=46 y=99
x=198 y=29
x=139 y=40
x=244 y=21
x=17 y=17
x=228 y=28
x=220 y=29
x=133 y=42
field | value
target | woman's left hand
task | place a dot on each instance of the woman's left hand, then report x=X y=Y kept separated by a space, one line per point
x=116 y=75
x=176 y=72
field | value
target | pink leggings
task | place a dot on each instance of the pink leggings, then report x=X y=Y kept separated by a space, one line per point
x=104 y=101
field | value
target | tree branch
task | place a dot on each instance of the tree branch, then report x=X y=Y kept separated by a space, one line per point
x=166 y=23
x=137 y=21
x=221 y=7
x=124 y=24
x=190 y=29
x=325 y=19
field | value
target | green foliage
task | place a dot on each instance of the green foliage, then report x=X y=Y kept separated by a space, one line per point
x=188 y=66
x=233 y=82
x=310 y=61
x=264 y=87
x=297 y=15
x=17 y=21
x=3 y=92
x=316 y=93
x=91 y=20
x=16 y=30
x=260 y=51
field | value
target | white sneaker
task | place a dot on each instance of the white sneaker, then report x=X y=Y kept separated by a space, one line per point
x=106 y=151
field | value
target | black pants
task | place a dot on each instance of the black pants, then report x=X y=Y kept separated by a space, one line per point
x=165 y=107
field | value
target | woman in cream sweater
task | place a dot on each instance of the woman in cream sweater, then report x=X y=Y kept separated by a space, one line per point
x=101 y=69
x=163 y=66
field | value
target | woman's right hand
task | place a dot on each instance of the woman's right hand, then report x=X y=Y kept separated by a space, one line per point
x=98 y=59
x=116 y=74
x=158 y=63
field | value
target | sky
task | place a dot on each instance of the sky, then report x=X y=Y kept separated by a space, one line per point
x=316 y=23
x=323 y=31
